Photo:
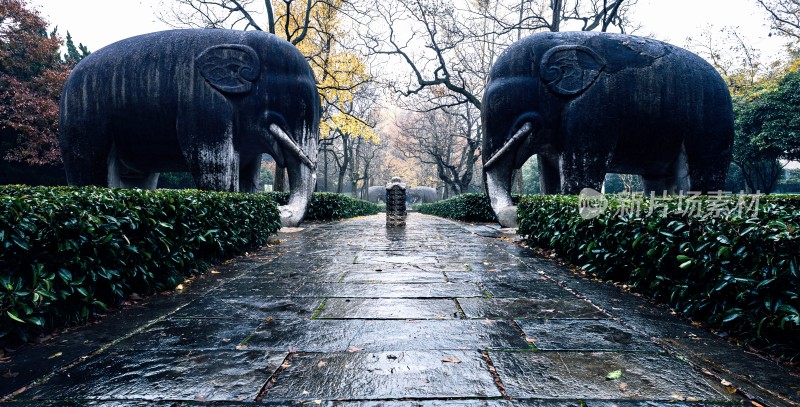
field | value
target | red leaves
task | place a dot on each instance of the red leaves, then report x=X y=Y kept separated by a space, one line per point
x=31 y=79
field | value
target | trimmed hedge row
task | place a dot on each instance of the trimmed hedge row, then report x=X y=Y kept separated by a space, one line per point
x=736 y=270
x=325 y=206
x=66 y=253
x=470 y=207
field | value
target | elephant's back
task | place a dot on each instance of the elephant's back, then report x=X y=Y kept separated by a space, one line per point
x=618 y=51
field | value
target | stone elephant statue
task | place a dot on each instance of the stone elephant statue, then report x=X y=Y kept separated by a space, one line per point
x=205 y=101
x=589 y=103
x=422 y=194
x=376 y=194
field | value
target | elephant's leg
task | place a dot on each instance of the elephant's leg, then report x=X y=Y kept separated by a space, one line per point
x=708 y=151
x=86 y=156
x=123 y=176
x=214 y=166
x=581 y=170
x=706 y=176
x=549 y=176
x=248 y=175
x=675 y=181
x=206 y=141
x=658 y=185
x=87 y=170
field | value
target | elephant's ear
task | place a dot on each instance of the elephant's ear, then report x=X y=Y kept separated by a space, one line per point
x=570 y=69
x=230 y=68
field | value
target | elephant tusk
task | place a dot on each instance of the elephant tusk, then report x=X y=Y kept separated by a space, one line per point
x=516 y=138
x=291 y=145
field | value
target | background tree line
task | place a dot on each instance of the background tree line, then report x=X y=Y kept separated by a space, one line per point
x=402 y=82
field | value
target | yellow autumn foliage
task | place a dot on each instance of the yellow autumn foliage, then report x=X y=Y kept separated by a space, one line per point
x=339 y=73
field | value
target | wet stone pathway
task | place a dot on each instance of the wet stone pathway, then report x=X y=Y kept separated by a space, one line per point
x=352 y=313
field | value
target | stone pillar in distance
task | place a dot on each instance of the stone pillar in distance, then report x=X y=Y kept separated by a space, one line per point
x=395 y=203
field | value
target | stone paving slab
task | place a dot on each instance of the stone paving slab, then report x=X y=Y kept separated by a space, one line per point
x=181 y=334
x=385 y=375
x=389 y=308
x=304 y=335
x=594 y=335
x=250 y=307
x=394 y=276
x=163 y=375
x=579 y=375
x=385 y=335
x=528 y=308
x=525 y=288
x=391 y=290
x=334 y=335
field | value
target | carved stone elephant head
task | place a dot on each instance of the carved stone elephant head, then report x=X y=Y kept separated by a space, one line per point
x=205 y=101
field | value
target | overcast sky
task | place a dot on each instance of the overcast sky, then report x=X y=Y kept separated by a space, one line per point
x=97 y=23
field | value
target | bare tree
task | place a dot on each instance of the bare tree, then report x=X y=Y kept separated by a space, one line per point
x=729 y=51
x=785 y=16
x=445 y=139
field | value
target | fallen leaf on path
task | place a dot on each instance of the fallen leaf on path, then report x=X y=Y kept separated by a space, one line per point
x=241 y=347
x=354 y=349
x=451 y=360
x=55 y=355
x=322 y=363
x=614 y=375
x=531 y=340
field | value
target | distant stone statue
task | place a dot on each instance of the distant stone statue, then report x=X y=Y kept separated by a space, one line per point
x=205 y=101
x=376 y=194
x=396 y=203
x=422 y=195
x=589 y=103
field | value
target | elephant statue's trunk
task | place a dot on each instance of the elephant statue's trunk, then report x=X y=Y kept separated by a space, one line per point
x=499 y=170
x=302 y=175
x=501 y=154
x=290 y=145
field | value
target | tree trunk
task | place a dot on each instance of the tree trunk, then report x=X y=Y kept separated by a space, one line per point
x=557 y=5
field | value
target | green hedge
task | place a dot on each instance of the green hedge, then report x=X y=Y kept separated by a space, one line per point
x=470 y=207
x=735 y=270
x=66 y=253
x=325 y=206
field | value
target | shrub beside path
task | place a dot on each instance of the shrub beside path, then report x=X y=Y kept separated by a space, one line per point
x=352 y=313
